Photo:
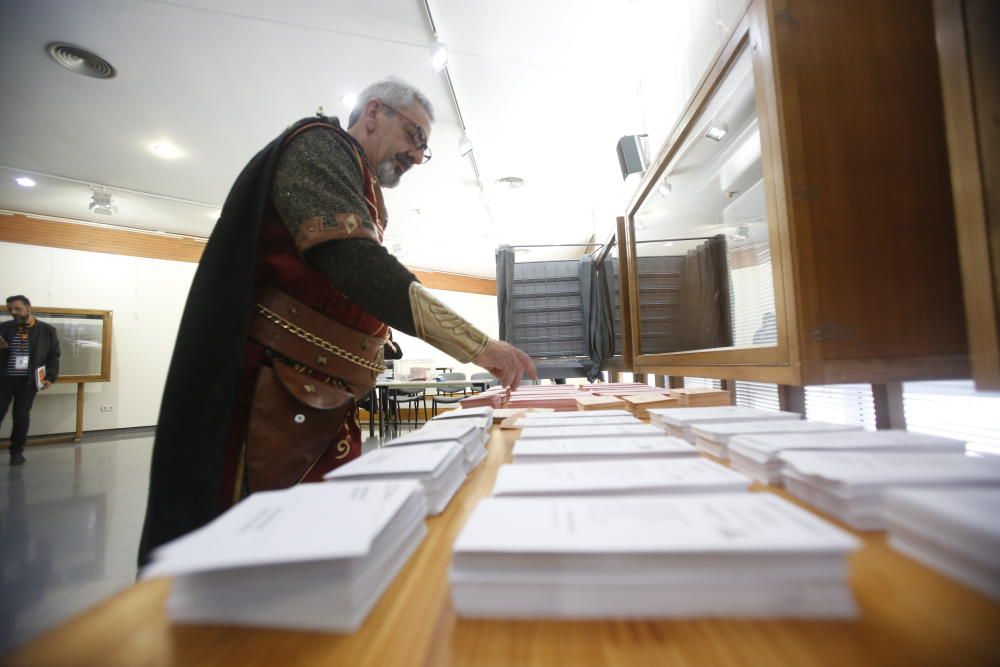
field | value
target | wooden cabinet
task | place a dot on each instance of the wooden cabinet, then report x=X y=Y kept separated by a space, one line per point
x=969 y=54
x=797 y=226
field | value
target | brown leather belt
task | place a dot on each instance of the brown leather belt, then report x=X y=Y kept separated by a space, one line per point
x=314 y=340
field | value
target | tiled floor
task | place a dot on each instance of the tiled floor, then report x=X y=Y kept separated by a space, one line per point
x=69 y=528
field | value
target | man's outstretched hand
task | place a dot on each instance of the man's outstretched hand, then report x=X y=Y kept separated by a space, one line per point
x=507 y=363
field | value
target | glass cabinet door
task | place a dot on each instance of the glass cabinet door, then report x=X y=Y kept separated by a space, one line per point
x=701 y=241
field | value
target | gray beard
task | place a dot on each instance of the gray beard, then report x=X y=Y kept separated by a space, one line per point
x=386 y=173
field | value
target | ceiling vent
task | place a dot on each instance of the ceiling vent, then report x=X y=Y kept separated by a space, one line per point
x=510 y=182
x=81 y=61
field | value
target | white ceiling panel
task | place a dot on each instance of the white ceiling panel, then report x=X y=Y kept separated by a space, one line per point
x=546 y=89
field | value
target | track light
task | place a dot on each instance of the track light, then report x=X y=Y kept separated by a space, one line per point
x=464 y=146
x=439 y=56
x=101 y=202
x=715 y=132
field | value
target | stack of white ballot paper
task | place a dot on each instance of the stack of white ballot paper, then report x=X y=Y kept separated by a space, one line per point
x=554 y=450
x=852 y=485
x=718 y=555
x=714 y=438
x=573 y=431
x=437 y=466
x=313 y=557
x=467 y=413
x=570 y=417
x=677 y=421
x=758 y=455
x=472 y=437
x=618 y=477
x=954 y=531
x=590 y=420
x=481 y=422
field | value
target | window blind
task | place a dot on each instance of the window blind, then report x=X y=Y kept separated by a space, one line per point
x=841 y=404
x=954 y=409
x=757 y=395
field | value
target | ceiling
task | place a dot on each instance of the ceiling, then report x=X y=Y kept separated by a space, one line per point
x=543 y=88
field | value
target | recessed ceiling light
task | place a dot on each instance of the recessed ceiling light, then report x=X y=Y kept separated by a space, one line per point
x=716 y=132
x=214 y=215
x=166 y=150
x=439 y=56
x=25 y=182
x=349 y=100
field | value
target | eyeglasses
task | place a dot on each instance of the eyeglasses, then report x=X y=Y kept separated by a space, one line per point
x=416 y=133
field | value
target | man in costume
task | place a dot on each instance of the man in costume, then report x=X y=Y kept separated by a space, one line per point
x=288 y=313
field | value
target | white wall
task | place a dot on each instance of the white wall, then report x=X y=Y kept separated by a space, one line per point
x=147 y=297
x=479 y=309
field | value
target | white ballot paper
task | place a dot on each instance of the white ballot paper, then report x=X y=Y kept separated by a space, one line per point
x=619 y=477
x=467 y=413
x=481 y=422
x=315 y=556
x=714 y=438
x=437 y=466
x=598 y=449
x=677 y=421
x=590 y=420
x=954 y=531
x=721 y=555
x=471 y=436
x=758 y=455
x=851 y=485
x=598 y=431
x=573 y=415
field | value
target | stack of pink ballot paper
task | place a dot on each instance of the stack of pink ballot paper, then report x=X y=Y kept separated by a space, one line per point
x=494 y=397
x=588 y=401
x=558 y=397
x=621 y=389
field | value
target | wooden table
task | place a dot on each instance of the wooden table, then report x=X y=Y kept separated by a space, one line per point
x=910 y=615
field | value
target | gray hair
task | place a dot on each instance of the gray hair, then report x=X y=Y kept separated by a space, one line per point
x=394 y=92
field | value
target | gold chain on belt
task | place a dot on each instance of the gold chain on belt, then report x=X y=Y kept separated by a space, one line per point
x=293 y=328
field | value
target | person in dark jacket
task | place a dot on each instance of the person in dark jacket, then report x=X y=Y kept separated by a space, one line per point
x=26 y=345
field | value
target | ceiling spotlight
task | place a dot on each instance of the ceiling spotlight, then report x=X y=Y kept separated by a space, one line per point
x=25 y=182
x=165 y=150
x=716 y=132
x=100 y=201
x=464 y=146
x=439 y=56
x=349 y=100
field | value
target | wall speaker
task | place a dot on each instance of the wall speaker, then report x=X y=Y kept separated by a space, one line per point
x=631 y=155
